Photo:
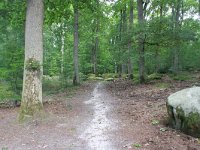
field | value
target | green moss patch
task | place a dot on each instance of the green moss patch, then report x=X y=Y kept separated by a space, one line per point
x=33 y=65
x=188 y=123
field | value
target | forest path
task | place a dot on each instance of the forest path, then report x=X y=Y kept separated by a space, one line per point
x=117 y=115
x=84 y=121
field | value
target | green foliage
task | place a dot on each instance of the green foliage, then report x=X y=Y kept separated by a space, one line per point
x=184 y=76
x=33 y=65
x=6 y=93
x=117 y=41
x=155 y=76
x=136 y=145
x=51 y=85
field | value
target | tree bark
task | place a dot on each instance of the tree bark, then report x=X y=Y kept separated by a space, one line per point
x=124 y=47
x=31 y=104
x=141 y=42
x=62 y=49
x=96 y=47
x=130 y=64
x=199 y=8
x=76 y=80
x=176 y=37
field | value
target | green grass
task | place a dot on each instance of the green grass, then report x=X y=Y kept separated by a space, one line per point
x=162 y=85
x=182 y=76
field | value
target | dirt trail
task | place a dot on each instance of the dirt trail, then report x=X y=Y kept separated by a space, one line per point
x=115 y=116
x=83 y=122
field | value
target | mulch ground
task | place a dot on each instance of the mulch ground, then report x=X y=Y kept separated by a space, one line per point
x=142 y=110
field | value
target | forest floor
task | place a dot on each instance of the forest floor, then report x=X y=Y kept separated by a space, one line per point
x=116 y=115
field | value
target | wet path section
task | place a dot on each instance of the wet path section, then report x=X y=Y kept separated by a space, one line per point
x=97 y=133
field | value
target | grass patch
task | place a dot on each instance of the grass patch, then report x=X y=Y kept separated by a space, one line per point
x=183 y=76
x=136 y=145
x=162 y=85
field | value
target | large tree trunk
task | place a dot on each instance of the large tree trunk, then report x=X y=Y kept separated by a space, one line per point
x=130 y=64
x=141 y=42
x=31 y=104
x=76 y=80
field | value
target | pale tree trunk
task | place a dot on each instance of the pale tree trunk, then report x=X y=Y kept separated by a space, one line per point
x=62 y=49
x=130 y=47
x=141 y=42
x=76 y=80
x=31 y=104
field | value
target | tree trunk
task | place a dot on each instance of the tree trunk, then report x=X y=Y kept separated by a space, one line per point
x=141 y=42
x=62 y=49
x=31 y=104
x=96 y=47
x=157 y=54
x=199 y=8
x=130 y=64
x=176 y=37
x=119 y=48
x=76 y=67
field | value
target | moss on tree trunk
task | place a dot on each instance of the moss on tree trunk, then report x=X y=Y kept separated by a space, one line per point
x=31 y=105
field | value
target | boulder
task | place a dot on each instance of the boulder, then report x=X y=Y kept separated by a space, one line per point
x=184 y=110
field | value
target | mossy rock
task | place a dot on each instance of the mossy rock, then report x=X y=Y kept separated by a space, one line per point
x=184 y=111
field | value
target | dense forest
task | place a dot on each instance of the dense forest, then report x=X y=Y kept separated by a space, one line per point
x=100 y=74
x=98 y=39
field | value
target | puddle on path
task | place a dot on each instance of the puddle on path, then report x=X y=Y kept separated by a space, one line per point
x=96 y=134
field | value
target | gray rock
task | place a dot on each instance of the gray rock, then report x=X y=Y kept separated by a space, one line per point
x=184 y=110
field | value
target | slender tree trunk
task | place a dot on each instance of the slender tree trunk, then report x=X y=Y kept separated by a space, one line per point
x=31 y=104
x=199 y=8
x=141 y=42
x=157 y=54
x=130 y=47
x=62 y=49
x=96 y=47
x=176 y=37
x=120 y=40
x=76 y=41
x=124 y=31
